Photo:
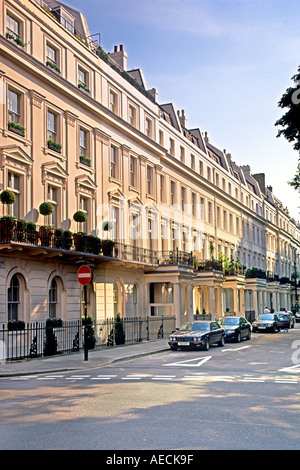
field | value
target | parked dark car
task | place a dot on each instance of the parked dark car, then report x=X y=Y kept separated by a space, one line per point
x=236 y=328
x=197 y=335
x=286 y=320
x=266 y=322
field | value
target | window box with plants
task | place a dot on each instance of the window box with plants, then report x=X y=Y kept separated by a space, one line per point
x=54 y=322
x=16 y=325
x=52 y=66
x=85 y=160
x=16 y=128
x=82 y=86
x=54 y=146
x=15 y=39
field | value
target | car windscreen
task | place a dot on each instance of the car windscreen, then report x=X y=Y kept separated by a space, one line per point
x=201 y=326
x=266 y=317
x=231 y=321
x=187 y=326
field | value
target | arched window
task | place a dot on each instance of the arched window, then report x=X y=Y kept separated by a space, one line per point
x=13 y=298
x=53 y=299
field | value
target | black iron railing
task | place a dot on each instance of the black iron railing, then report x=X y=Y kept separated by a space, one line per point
x=40 y=339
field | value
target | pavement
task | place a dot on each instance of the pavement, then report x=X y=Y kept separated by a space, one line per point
x=76 y=361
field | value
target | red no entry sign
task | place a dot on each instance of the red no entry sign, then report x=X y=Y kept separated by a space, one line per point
x=84 y=275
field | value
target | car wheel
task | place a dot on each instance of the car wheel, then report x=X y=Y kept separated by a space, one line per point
x=222 y=341
x=275 y=329
x=238 y=337
x=206 y=345
x=173 y=348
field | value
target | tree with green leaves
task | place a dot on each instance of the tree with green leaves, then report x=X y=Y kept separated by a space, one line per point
x=290 y=121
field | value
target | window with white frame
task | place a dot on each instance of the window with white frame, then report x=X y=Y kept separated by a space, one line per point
x=53 y=298
x=14 y=184
x=148 y=127
x=114 y=170
x=132 y=115
x=52 y=56
x=14 y=106
x=53 y=198
x=84 y=154
x=52 y=126
x=83 y=79
x=133 y=171
x=149 y=179
x=84 y=207
x=113 y=102
x=13 y=298
x=13 y=27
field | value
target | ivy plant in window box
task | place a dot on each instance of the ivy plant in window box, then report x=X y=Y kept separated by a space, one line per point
x=53 y=66
x=54 y=146
x=83 y=87
x=16 y=39
x=16 y=128
x=85 y=160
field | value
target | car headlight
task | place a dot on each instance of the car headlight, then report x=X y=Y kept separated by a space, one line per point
x=230 y=331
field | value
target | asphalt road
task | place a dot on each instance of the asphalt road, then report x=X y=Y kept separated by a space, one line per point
x=242 y=396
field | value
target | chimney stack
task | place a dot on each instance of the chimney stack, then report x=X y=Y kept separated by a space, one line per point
x=119 y=56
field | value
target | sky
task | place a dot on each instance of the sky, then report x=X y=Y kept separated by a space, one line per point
x=225 y=62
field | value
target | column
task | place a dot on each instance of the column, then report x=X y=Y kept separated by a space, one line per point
x=176 y=304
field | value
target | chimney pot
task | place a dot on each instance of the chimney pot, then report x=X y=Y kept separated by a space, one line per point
x=116 y=49
x=121 y=47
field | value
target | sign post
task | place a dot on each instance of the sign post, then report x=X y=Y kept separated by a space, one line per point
x=84 y=276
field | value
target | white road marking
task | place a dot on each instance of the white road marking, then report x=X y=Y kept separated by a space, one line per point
x=200 y=361
x=236 y=349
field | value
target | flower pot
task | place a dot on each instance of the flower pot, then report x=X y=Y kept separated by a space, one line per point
x=21 y=231
x=107 y=247
x=67 y=243
x=80 y=241
x=7 y=229
x=46 y=235
x=32 y=236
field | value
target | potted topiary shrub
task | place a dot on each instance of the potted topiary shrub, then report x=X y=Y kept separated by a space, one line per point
x=46 y=232
x=7 y=222
x=21 y=230
x=58 y=237
x=80 y=241
x=107 y=244
x=67 y=239
x=119 y=330
x=89 y=332
x=32 y=234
